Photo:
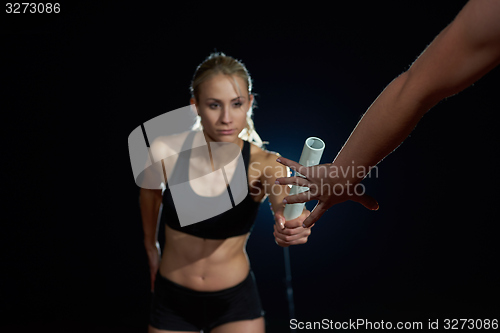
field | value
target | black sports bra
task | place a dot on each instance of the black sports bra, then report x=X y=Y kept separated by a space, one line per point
x=236 y=220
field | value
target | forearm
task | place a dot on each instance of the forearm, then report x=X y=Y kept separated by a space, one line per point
x=386 y=123
x=150 y=201
x=463 y=52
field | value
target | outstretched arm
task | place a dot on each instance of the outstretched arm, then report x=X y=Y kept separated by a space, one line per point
x=463 y=52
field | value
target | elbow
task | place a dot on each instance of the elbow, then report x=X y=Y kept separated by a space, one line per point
x=419 y=91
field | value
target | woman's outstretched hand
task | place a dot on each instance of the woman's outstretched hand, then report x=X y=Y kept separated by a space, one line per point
x=154 y=255
x=326 y=185
x=291 y=232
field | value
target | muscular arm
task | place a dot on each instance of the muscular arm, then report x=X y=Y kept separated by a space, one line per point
x=150 y=201
x=463 y=52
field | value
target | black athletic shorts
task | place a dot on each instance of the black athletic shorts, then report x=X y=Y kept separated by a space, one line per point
x=177 y=308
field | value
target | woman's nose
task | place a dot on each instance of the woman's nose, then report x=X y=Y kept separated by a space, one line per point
x=226 y=116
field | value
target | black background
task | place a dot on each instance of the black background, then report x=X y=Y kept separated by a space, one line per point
x=75 y=84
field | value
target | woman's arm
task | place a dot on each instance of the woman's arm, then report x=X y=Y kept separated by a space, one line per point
x=464 y=51
x=286 y=233
x=150 y=201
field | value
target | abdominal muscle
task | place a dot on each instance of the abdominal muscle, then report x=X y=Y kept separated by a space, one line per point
x=204 y=264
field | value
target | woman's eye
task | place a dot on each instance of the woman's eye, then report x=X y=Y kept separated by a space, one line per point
x=213 y=106
x=238 y=104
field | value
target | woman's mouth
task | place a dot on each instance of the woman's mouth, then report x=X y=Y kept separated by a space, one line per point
x=226 y=132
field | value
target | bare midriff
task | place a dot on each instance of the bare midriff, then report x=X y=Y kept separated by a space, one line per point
x=204 y=264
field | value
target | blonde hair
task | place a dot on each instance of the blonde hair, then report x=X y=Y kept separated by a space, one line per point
x=219 y=63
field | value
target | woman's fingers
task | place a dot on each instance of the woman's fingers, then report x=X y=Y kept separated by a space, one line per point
x=286 y=234
x=286 y=240
x=290 y=235
x=286 y=244
x=279 y=220
x=297 y=222
x=293 y=233
x=280 y=242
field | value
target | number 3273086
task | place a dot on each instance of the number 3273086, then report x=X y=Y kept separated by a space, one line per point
x=32 y=8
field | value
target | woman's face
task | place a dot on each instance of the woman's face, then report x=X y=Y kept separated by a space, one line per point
x=222 y=104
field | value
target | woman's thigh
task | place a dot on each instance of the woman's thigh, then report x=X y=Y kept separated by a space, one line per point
x=242 y=326
x=155 y=330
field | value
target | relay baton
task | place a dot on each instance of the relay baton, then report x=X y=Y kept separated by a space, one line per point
x=311 y=155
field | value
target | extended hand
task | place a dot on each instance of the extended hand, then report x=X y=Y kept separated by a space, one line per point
x=329 y=188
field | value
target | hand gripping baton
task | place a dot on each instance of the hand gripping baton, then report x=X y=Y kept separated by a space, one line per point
x=311 y=155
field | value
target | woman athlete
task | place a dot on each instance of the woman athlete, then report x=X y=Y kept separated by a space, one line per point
x=203 y=281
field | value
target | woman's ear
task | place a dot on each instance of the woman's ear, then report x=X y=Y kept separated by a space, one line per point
x=250 y=98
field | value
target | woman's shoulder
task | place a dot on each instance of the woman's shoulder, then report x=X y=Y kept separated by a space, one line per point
x=167 y=145
x=265 y=157
x=261 y=153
